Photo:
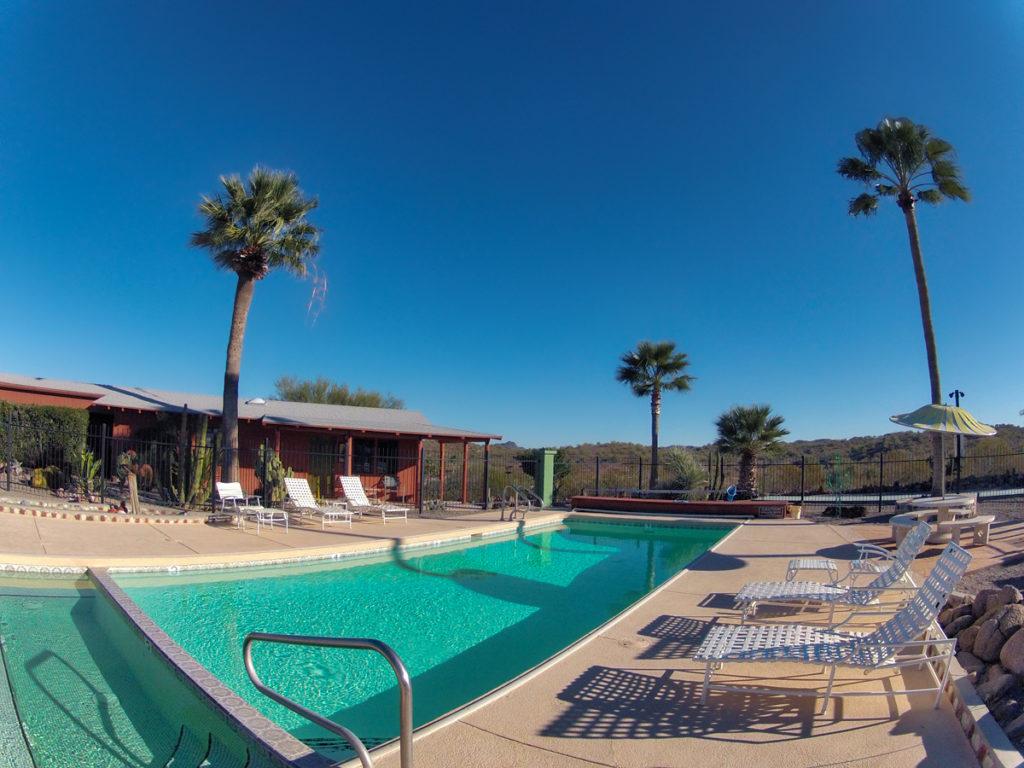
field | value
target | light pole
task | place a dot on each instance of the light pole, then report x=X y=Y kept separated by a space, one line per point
x=956 y=394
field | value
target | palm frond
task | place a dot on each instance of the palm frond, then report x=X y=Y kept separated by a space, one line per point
x=864 y=204
x=259 y=225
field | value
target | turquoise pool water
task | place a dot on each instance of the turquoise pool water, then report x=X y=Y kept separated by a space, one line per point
x=78 y=689
x=464 y=619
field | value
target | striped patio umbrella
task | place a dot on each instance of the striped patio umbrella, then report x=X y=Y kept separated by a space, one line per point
x=944 y=418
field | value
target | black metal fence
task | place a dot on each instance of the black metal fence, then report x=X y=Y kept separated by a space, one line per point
x=181 y=474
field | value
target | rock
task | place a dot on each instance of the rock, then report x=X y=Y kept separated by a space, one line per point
x=1011 y=655
x=1015 y=728
x=948 y=615
x=991 y=636
x=980 y=605
x=971 y=663
x=965 y=640
x=958 y=625
x=994 y=671
x=1011 y=619
x=1009 y=708
x=989 y=641
x=959 y=598
x=996 y=686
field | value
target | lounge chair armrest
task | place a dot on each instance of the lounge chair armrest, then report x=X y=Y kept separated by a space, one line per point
x=893 y=588
x=259 y=500
x=873 y=550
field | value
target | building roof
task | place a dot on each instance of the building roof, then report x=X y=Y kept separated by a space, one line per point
x=270 y=412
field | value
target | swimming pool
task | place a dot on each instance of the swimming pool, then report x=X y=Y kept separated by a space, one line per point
x=465 y=619
x=79 y=688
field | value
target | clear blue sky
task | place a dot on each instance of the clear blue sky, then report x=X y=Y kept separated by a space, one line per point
x=513 y=194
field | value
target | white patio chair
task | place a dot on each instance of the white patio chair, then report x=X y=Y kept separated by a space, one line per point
x=242 y=505
x=355 y=495
x=300 y=499
x=910 y=638
x=758 y=593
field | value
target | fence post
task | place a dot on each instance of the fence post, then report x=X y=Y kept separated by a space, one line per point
x=881 y=478
x=487 y=476
x=423 y=474
x=103 y=463
x=803 y=471
x=213 y=468
x=10 y=447
x=640 y=477
x=597 y=475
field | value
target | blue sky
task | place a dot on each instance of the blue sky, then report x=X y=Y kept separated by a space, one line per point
x=513 y=194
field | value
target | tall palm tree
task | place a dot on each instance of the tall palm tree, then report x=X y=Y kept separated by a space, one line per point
x=902 y=160
x=650 y=369
x=251 y=229
x=750 y=432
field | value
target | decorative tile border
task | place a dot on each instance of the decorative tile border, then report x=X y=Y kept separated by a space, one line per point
x=989 y=741
x=383 y=548
x=96 y=516
x=283 y=749
x=53 y=570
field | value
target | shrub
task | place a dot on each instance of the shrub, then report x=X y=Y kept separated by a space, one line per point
x=41 y=432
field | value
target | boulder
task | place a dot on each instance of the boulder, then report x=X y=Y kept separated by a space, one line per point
x=1009 y=708
x=1011 y=655
x=1015 y=728
x=958 y=625
x=948 y=615
x=965 y=640
x=971 y=663
x=990 y=638
x=987 y=599
x=1011 y=619
x=959 y=598
x=996 y=685
x=980 y=605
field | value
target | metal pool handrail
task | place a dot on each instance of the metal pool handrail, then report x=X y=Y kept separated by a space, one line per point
x=358 y=643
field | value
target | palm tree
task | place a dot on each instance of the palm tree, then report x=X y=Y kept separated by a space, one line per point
x=650 y=369
x=902 y=160
x=749 y=431
x=251 y=229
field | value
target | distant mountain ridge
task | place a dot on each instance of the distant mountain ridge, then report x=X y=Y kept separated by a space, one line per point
x=1009 y=439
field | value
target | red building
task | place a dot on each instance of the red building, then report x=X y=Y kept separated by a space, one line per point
x=383 y=446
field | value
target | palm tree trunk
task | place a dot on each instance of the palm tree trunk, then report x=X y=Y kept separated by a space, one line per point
x=232 y=368
x=655 y=418
x=748 y=473
x=938 y=454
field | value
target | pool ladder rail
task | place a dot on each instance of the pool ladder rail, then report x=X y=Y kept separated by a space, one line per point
x=357 y=643
x=520 y=499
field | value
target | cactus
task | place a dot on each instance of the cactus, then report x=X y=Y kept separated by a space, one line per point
x=271 y=468
x=87 y=471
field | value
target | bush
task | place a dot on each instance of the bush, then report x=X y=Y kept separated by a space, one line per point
x=42 y=431
x=844 y=511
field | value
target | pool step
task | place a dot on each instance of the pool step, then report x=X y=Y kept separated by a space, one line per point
x=13 y=740
x=195 y=751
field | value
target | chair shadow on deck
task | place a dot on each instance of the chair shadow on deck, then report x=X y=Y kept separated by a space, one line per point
x=677 y=636
x=609 y=703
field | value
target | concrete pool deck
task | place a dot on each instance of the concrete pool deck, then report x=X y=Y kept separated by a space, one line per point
x=629 y=697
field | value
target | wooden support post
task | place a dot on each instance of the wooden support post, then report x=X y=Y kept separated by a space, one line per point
x=348 y=455
x=465 y=471
x=440 y=473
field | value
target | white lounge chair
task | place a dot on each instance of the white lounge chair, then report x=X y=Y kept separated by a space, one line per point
x=758 y=593
x=355 y=495
x=242 y=505
x=300 y=499
x=909 y=638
